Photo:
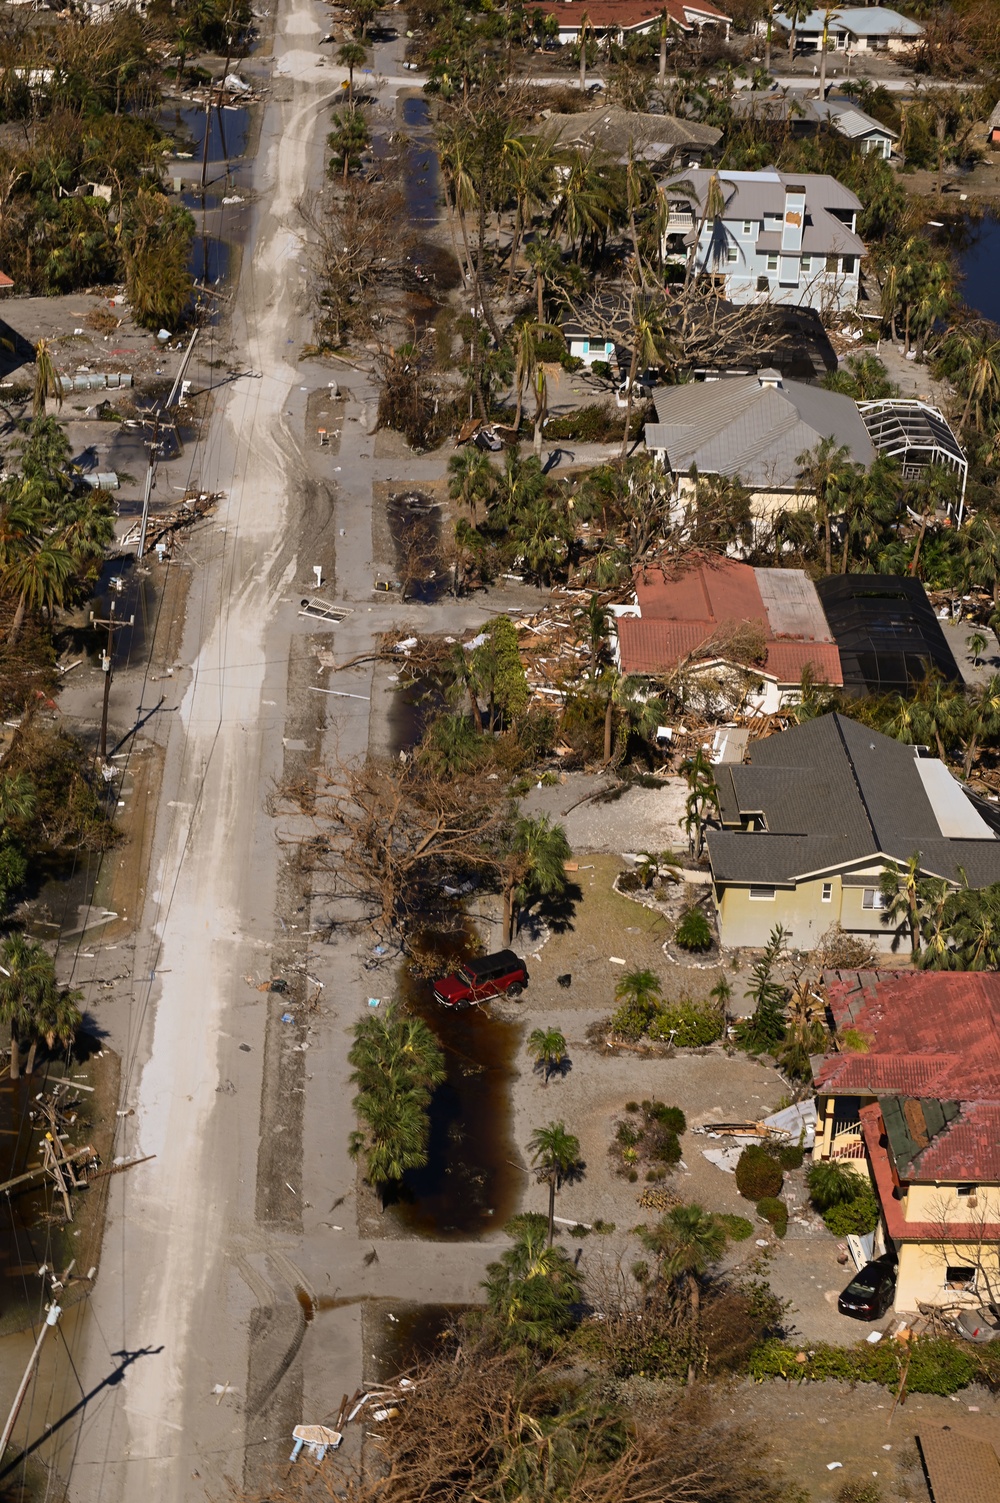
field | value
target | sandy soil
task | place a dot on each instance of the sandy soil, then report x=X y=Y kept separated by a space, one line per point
x=810 y=1426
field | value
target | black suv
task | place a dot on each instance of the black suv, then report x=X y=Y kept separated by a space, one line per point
x=870 y=1292
x=478 y=980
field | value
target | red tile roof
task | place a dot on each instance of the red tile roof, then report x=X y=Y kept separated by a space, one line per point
x=680 y=614
x=896 y=1224
x=5 y=280
x=932 y=1035
x=625 y=15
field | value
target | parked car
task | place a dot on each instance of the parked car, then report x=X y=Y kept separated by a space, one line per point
x=478 y=980
x=978 y=1325
x=870 y=1292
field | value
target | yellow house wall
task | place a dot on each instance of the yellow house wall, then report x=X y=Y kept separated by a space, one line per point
x=943 y=1203
x=801 y=910
x=920 y=1278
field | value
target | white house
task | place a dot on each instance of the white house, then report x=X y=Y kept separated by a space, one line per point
x=779 y=238
x=854 y=28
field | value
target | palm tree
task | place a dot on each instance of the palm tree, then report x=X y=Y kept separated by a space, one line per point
x=982 y=719
x=545 y=259
x=547 y=1047
x=595 y=619
x=639 y=988
x=535 y=867
x=351 y=55
x=585 y=26
x=712 y=212
x=687 y=1241
x=533 y=1287
x=628 y=701
x=397 y=1064
x=555 y=1154
x=976 y=644
x=38 y=580
x=796 y=11
x=471 y=478
x=828 y=11
x=527 y=338
x=703 y=798
x=827 y=473
x=185 y=39
x=27 y=989
x=349 y=137
x=831 y=1183
x=645 y=335
x=55 y=1019
x=48 y=382
x=901 y=894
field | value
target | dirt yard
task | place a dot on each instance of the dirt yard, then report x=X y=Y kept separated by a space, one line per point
x=810 y=1426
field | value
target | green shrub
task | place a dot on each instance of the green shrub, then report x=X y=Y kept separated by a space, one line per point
x=736 y=1228
x=631 y=1106
x=791 y=1156
x=632 y=1019
x=665 y=1147
x=936 y=1365
x=626 y=1134
x=758 y=1174
x=694 y=932
x=670 y=1117
x=859 y=1214
x=774 y=1211
x=692 y=1024
x=602 y=369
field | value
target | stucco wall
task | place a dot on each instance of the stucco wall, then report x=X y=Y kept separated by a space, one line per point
x=920 y=1278
x=802 y=911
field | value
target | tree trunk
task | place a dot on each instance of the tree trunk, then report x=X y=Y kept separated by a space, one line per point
x=915 y=561
x=15 y=1059
x=30 y=1066
x=628 y=400
x=608 y=727
x=18 y=622
x=508 y=915
x=583 y=65
x=515 y=246
x=828 y=538
x=970 y=756
x=540 y=295
x=822 y=66
x=552 y=1206
x=663 y=58
x=767 y=41
x=791 y=41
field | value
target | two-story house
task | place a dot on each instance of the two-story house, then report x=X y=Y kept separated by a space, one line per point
x=815 y=817
x=912 y=1095
x=770 y=236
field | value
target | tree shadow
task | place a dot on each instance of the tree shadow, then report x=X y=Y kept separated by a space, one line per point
x=556 y=914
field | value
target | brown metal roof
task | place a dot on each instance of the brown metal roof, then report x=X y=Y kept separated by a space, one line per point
x=959 y=1468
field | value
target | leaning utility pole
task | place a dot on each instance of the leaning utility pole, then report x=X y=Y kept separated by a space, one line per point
x=51 y=1317
x=113 y=625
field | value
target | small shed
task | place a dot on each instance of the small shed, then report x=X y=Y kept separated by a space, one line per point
x=958 y=1467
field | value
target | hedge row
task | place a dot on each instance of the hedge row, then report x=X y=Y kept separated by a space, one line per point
x=936 y=1365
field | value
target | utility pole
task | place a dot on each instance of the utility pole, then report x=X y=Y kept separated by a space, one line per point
x=113 y=625
x=149 y=485
x=51 y=1317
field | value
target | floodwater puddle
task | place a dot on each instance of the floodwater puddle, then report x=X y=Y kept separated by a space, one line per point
x=415 y=524
x=400 y=1336
x=227 y=138
x=473 y=1179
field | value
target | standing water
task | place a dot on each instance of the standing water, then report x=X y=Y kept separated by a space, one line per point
x=472 y=1181
x=975 y=244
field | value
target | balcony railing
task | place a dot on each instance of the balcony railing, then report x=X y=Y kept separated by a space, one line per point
x=848 y=1143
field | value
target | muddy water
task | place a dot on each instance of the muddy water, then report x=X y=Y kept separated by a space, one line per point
x=415 y=524
x=400 y=1336
x=415 y=703
x=473 y=1179
x=187 y=124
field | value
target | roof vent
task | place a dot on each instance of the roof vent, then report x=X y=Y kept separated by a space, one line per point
x=770 y=377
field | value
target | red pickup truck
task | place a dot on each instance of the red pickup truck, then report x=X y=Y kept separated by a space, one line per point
x=478 y=980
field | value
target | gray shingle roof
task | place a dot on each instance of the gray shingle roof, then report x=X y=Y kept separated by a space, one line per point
x=778 y=104
x=751 y=195
x=834 y=794
x=738 y=427
x=861 y=21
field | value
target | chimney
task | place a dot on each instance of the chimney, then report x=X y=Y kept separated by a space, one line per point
x=769 y=377
x=795 y=214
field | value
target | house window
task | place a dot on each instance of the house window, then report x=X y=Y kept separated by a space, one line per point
x=833 y=263
x=772 y=262
x=872 y=897
x=747 y=226
x=849 y=264
x=732 y=254
x=965 y=1190
x=959 y=1276
x=827 y=892
x=762 y=894
x=807 y=264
